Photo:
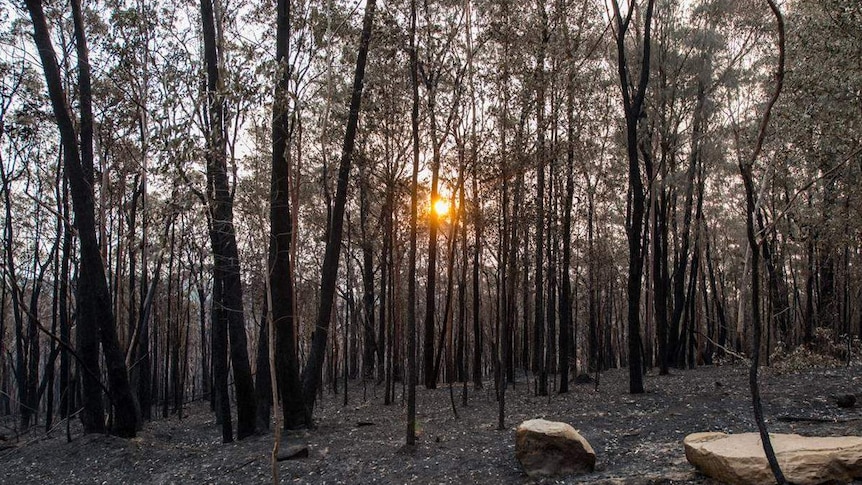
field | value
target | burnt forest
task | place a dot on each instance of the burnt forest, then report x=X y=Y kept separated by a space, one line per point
x=436 y=241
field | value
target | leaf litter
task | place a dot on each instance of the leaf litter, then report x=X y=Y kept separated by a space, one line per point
x=637 y=438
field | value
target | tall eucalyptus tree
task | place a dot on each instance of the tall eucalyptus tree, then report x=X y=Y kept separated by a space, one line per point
x=633 y=105
x=95 y=312
x=228 y=319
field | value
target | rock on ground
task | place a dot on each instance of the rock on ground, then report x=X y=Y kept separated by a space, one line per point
x=549 y=448
x=739 y=458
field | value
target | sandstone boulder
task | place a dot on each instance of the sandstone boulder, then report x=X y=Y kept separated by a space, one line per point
x=739 y=458
x=549 y=448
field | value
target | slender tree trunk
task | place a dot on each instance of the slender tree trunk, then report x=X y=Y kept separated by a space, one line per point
x=95 y=316
x=139 y=374
x=566 y=318
x=592 y=286
x=311 y=375
x=717 y=295
x=383 y=317
x=660 y=277
x=67 y=394
x=170 y=327
x=745 y=169
x=262 y=378
x=411 y=258
x=386 y=324
x=131 y=313
x=227 y=295
x=50 y=367
x=808 y=330
x=539 y=305
x=525 y=285
x=11 y=275
x=280 y=266
x=461 y=341
x=512 y=232
x=433 y=227
x=551 y=255
x=633 y=107
x=33 y=391
x=351 y=321
x=446 y=332
x=183 y=374
x=5 y=398
x=676 y=346
x=369 y=348
x=57 y=300
x=147 y=363
x=144 y=358
x=206 y=380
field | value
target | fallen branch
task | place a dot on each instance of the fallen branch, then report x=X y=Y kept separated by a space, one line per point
x=812 y=419
x=246 y=463
x=725 y=349
x=804 y=419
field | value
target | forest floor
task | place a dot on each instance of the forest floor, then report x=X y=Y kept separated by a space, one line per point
x=637 y=438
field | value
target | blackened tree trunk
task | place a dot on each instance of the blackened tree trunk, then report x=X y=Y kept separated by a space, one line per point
x=446 y=332
x=20 y=367
x=566 y=318
x=633 y=102
x=5 y=398
x=144 y=358
x=95 y=315
x=477 y=256
x=386 y=321
x=525 y=282
x=592 y=286
x=369 y=338
x=30 y=383
x=461 y=340
x=66 y=393
x=206 y=366
x=827 y=304
x=676 y=347
x=411 y=270
x=218 y=340
x=717 y=296
x=433 y=228
x=512 y=274
x=745 y=169
x=476 y=297
x=311 y=375
x=262 y=376
x=808 y=328
x=146 y=369
x=227 y=296
x=280 y=267
x=539 y=308
x=170 y=326
x=660 y=278
x=131 y=315
x=776 y=280
x=384 y=316
x=50 y=367
x=33 y=389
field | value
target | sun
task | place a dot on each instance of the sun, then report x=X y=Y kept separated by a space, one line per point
x=441 y=207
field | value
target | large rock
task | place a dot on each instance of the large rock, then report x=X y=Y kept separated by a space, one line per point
x=739 y=458
x=548 y=448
